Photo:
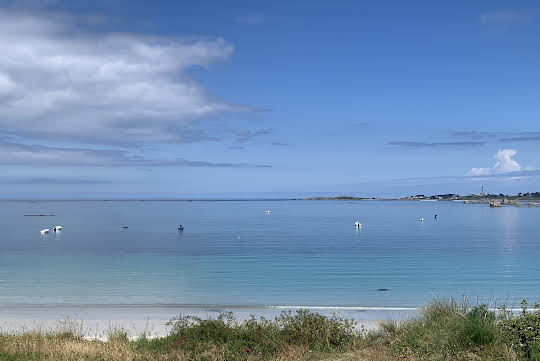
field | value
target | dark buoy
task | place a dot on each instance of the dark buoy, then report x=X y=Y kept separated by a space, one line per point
x=180 y=227
x=435 y=217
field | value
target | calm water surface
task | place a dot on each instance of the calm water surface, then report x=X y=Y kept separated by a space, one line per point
x=233 y=253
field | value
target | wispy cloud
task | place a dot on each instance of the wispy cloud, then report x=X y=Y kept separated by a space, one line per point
x=360 y=124
x=507 y=17
x=498 y=136
x=57 y=82
x=51 y=181
x=505 y=163
x=29 y=4
x=435 y=144
x=523 y=137
x=245 y=135
x=17 y=154
x=251 y=19
x=475 y=134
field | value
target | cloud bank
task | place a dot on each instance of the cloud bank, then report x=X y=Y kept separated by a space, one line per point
x=22 y=154
x=59 y=83
x=505 y=163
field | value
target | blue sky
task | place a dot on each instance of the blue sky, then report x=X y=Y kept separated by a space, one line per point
x=138 y=99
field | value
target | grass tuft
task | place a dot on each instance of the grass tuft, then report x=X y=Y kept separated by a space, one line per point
x=117 y=334
x=447 y=330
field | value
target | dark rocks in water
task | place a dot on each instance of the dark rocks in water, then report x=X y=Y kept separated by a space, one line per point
x=383 y=289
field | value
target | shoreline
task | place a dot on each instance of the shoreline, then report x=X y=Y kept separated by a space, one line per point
x=95 y=323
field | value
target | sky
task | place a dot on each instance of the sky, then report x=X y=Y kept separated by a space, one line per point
x=167 y=99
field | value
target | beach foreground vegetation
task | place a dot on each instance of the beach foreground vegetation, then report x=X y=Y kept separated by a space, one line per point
x=444 y=330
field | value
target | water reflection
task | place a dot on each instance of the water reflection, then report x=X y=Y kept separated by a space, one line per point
x=509 y=220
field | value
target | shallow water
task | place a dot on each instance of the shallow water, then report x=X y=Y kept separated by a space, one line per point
x=231 y=253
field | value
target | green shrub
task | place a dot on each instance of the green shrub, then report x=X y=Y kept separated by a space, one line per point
x=316 y=331
x=259 y=337
x=479 y=328
x=522 y=332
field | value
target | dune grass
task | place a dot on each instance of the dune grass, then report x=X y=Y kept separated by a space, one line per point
x=444 y=330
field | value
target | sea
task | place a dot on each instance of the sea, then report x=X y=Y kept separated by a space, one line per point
x=265 y=254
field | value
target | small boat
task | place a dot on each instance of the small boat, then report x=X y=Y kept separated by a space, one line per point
x=180 y=227
x=357 y=224
x=268 y=212
x=45 y=231
x=422 y=219
x=57 y=228
x=125 y=227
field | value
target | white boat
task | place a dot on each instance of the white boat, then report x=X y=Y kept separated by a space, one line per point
x=422 y=219
x=57 y=228
x=268 y=212
x=45 y=231
x=357 y=224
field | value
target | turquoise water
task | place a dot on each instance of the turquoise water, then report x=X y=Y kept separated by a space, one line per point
x=231 y=253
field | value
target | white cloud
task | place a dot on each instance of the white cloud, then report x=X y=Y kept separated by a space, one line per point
x=56 y=82
x=504 y=164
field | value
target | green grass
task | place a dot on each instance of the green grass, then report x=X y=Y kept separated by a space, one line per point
x=446 y=330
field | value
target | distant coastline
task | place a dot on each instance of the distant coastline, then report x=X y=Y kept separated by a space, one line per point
x=520 y=199
x=529 y=199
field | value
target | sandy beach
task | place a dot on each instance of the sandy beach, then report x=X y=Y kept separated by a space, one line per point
x=97 y=322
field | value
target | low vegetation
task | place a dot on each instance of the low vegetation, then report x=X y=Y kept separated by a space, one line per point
x=444 y=330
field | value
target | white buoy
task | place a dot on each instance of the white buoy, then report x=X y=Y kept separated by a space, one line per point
x=57 y=228
x=422 y=219
x=45 y=231
x=357 y=224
